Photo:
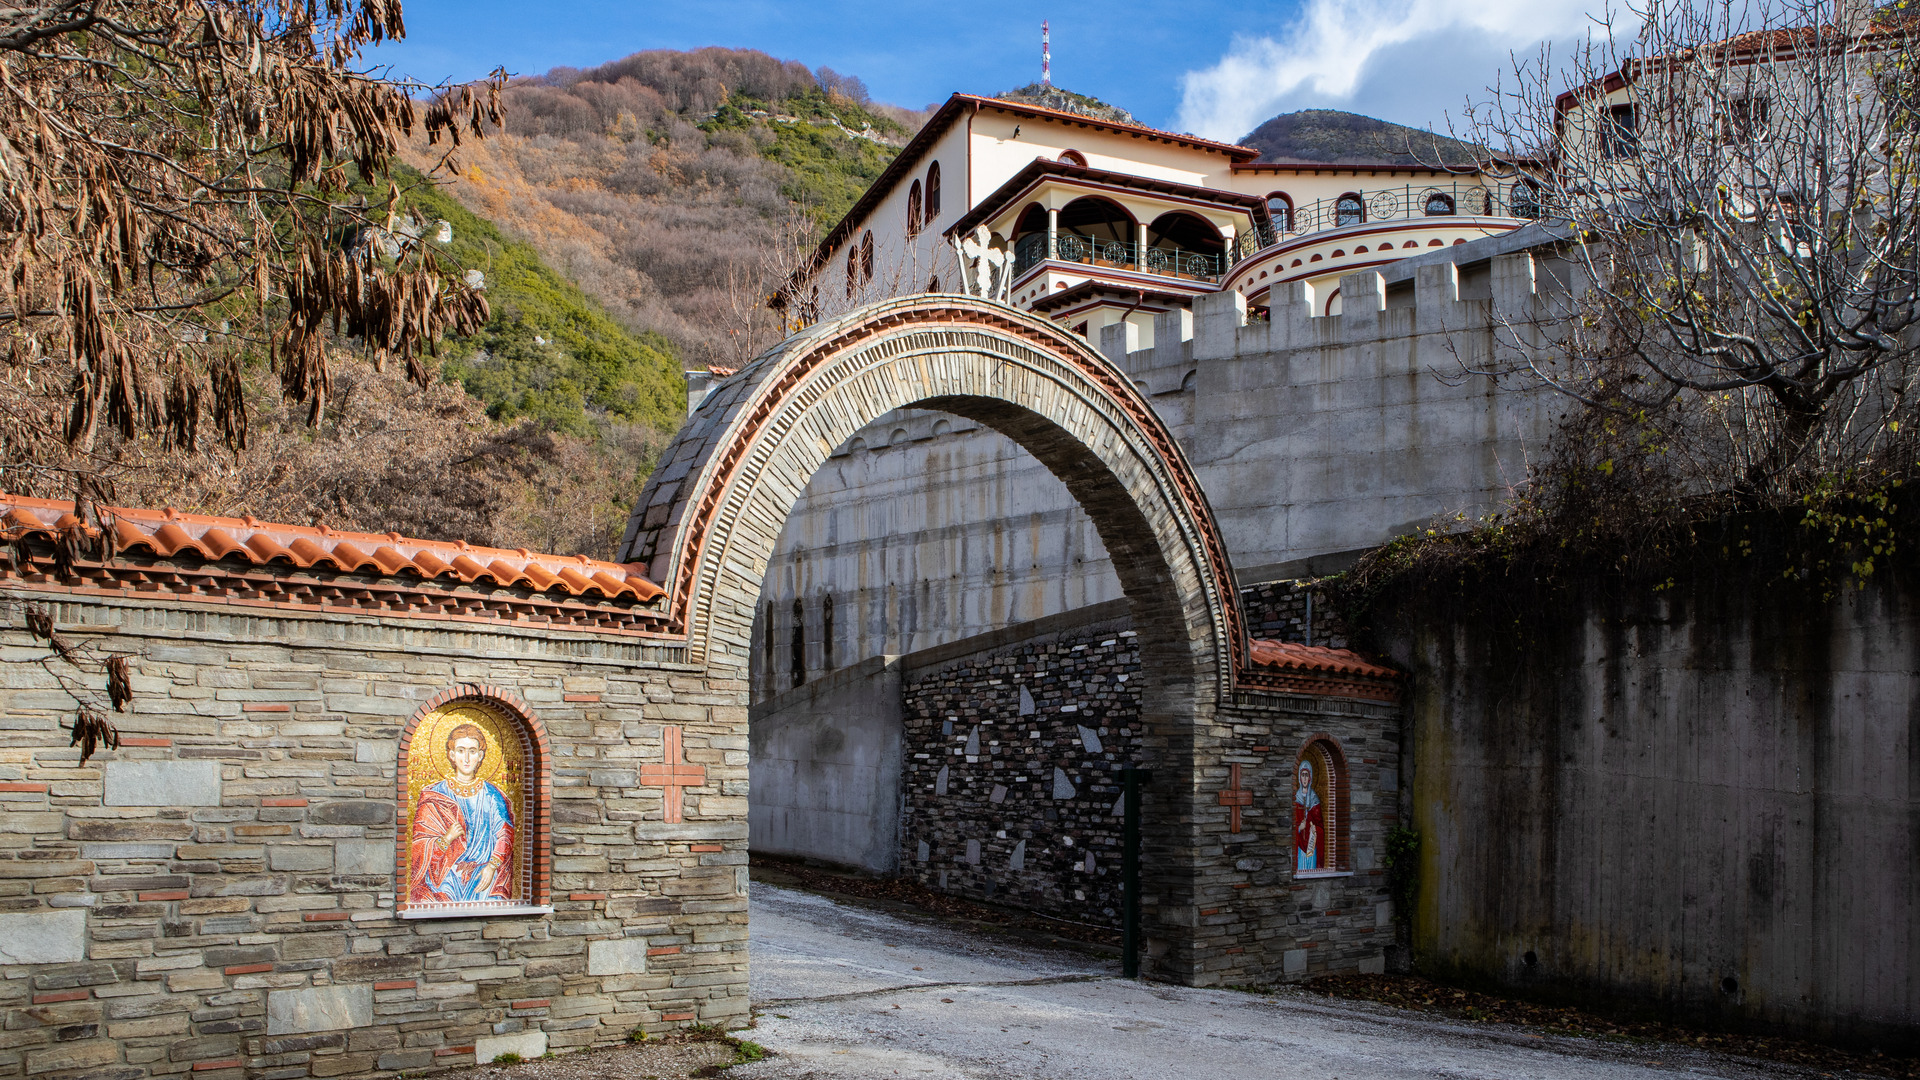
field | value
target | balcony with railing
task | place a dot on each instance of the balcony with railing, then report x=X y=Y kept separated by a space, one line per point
x=1411 y=202
x=1163 y=260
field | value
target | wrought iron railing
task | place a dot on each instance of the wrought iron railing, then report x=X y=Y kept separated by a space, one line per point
x=1391 y=204
x=1030 y=250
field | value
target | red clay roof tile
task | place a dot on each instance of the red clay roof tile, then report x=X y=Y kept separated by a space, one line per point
x=1293 y=656
x=169 y=533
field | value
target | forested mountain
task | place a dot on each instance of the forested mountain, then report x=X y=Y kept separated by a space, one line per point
x=1332 y=136
x=676 y=188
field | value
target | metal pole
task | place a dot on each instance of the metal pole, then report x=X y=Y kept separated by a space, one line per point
x=1131 y=781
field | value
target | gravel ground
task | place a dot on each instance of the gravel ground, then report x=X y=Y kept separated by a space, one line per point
x=846 y=993
x=662 y=1059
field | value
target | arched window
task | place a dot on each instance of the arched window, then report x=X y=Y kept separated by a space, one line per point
x=1526 y=200
x=798 y=642
x=933 y=192
x=1349 y=210
x=1280 y=207
x=826 y=634
x=1072 y=157
x=853 y=268
x=475 y=782
x=1439 y=204
x=866 y=257
x=1320 y=809
x=933 y=283
x=913 y=209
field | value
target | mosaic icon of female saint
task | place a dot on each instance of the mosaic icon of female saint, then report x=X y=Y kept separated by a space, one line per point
x=462 y=838
x=1309 y=823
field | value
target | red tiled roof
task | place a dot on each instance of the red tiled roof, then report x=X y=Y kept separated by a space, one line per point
x=151 y=553
x=1289 y=667
x=719 y=372
x=1294 y=656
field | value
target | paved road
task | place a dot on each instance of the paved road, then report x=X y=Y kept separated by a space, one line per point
x=846 y=993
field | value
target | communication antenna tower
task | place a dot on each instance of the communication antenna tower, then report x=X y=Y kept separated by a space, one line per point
x=1046 y=55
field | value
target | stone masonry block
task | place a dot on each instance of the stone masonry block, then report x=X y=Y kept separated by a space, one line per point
x=43 y=937
x=319 y=1008
x=527 y=1044
x=162 y=783
x=621 y=956
x=362 y=858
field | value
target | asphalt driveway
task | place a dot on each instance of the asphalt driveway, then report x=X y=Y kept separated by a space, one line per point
x=847 y=992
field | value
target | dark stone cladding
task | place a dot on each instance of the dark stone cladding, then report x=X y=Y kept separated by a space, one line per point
x=1076 y=679
x=1254 y=916
x=1277 y=611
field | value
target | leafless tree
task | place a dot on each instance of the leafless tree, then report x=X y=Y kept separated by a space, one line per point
x=177 y=200
x=1737 y=187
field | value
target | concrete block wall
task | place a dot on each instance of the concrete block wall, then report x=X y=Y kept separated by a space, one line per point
x=825 y=760
x=217 y=896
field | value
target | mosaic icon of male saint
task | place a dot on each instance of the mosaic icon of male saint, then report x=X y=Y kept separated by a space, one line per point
x=1309 y=823
x=461 y=846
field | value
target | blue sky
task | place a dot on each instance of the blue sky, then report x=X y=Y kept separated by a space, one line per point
x=1206 y=66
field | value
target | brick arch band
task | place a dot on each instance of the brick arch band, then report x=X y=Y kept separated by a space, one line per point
x=539 y=784
x=707 y=524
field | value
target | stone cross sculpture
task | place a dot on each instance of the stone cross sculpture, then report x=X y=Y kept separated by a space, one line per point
x=984 y=269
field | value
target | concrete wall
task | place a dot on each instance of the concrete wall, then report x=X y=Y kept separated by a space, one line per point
x=925 y=529
x=825 y=763
x=1705 y=802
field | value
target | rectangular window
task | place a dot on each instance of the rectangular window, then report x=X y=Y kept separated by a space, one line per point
x=1620 y=132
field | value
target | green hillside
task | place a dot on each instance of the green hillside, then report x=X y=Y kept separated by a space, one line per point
x=550 y=352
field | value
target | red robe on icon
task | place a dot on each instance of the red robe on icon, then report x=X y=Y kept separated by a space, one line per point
x=453 y=840
x=1309 y=832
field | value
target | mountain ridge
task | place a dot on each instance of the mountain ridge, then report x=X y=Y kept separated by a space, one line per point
x=1331 y=136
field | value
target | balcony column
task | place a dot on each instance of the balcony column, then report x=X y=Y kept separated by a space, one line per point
x=1053 y=233
x=1140 y=250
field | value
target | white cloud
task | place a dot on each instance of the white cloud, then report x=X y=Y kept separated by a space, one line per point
x=1327 y=56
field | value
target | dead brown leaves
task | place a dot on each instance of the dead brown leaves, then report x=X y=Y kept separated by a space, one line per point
x=176 y=199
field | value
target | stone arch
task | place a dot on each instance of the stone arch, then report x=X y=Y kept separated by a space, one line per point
x=712 y=512
x=536 y=810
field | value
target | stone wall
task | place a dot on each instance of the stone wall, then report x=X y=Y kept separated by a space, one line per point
x=1012 y=795
x=218 y=895
x=1012 y=775
x=1292 y=611
x=1703 y=801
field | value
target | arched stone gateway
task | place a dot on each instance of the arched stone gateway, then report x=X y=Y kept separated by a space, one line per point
x=709 y=518
x=712 y=514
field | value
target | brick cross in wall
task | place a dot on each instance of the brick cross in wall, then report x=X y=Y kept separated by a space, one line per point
x=674 y=775
x=1235 y=797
